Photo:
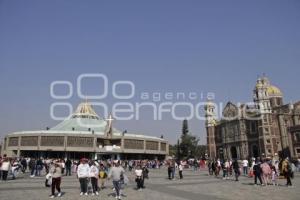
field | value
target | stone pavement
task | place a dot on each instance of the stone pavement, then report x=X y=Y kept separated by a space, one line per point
x=195 y=186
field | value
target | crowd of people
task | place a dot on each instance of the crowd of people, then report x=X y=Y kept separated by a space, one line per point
x=89 y=172
x=96 y=173
x=266 y=171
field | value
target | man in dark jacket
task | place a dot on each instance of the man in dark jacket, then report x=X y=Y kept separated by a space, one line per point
x=145 y=175
x=236 y=169
x=24 y=165
x=257 y=172
x=32 y=167
x=68 y=167
x=39 y=167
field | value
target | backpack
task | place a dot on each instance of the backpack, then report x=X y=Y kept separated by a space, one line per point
x=102 y=174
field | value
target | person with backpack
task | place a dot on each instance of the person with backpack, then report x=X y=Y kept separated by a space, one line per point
x=102 y=176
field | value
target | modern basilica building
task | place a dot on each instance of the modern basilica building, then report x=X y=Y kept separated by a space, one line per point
x=84 y=134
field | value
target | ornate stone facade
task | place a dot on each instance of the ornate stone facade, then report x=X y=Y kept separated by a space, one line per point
x=264 y=128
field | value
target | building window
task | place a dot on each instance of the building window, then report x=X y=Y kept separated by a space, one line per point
x=80 y=141
x=268 y=141
x=13 y=141
x=269 y=151
x=29 y=141
x=133 y=144
x=298 y=151
x=151 y=145
x=163 y=146
x=52 y=141
x=297 y=137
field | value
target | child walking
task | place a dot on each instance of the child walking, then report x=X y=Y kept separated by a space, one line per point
x=180 y=170
x=274 y=176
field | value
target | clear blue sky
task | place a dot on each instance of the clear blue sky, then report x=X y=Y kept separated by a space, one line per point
x=198 y=46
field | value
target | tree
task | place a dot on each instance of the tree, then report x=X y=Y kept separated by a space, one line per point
x=185 y=128
x=200 y=151
x=172 y=150
x=178 y=153
x=188 y=145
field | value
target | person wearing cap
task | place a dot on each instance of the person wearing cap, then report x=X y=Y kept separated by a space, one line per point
x=116 y=173
x=56 y=174
x=83 y=171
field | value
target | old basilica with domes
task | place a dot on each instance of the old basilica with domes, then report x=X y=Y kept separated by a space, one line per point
x=266 y=128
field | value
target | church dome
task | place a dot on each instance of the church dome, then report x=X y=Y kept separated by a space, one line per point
x=274 y=91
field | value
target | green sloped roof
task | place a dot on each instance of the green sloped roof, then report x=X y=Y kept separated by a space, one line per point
x=81 y=124
x=83 y=119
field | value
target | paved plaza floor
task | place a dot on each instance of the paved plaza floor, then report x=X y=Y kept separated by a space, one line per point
x=195 y=186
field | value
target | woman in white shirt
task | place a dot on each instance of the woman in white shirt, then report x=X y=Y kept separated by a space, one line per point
x=5 y=168
x=83 y=171
x=94 y=173
x=180 y=170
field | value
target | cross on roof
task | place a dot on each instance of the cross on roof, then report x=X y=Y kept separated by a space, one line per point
x=110 y=118
x=109 y=125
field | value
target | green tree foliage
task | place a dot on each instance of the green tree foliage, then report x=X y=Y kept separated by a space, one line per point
x=172 y=150
x=188 y=146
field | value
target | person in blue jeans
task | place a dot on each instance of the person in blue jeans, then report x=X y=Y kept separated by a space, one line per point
x=39 y=167
x=116 y=173
x=32 y=166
